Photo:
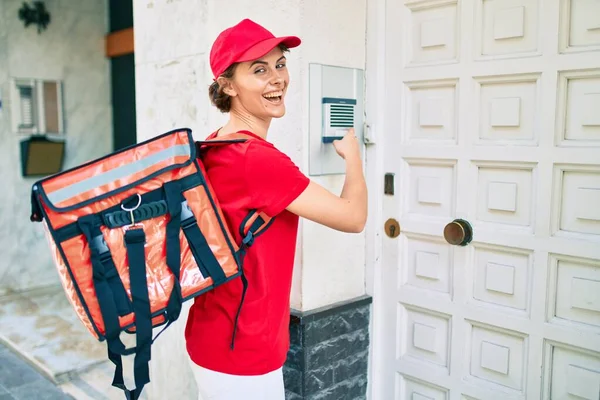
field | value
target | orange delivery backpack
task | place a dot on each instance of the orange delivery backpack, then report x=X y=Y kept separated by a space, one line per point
x=135 y=234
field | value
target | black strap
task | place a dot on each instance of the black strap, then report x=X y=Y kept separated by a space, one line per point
x=256 y=225
x=144 y=212
x=248 y=237
x=237 y=315
x=173 y=249
x=105 y=296
x=208 y=264
x=110 y=272
x=247 y=241
x=110 y=291
x=36 y=208
x=134 y=242
x=182 y=216
x=118 y=381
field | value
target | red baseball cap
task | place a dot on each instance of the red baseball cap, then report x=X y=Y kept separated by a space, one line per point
x=245 y=41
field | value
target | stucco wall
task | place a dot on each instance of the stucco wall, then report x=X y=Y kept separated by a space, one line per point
x=333 y=33
x=172 y=44
x=72 y=50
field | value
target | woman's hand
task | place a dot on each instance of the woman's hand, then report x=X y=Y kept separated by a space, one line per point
x=348 y=147
x=346 y=212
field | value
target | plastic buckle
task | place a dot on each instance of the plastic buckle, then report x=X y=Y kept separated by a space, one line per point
x=249 y=239
x=186 y=211
x=187 y=216
x=99 y=244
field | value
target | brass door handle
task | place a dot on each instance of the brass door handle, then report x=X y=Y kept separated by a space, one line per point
x=458 y=232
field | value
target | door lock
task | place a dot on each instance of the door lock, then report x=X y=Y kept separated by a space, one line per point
x=392 y=228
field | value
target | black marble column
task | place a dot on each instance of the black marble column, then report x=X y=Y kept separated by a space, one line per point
x=329 y=352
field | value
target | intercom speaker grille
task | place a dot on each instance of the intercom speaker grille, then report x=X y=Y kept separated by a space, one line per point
x=338 y=115
x=341 y=115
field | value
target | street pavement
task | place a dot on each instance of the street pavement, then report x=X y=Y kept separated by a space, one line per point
x=19 y=381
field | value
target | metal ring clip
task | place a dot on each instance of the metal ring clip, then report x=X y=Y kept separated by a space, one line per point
x=132 y=209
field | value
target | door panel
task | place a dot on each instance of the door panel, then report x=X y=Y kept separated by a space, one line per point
x=492 y=117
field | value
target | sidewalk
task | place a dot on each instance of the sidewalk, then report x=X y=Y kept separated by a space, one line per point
x=19 y=381
x=40 y=326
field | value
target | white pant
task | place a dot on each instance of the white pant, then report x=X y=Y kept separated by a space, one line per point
x=214 y=385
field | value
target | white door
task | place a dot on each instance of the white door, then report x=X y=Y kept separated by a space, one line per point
x=492 y=116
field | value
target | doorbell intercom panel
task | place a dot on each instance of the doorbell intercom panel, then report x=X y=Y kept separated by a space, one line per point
x=336 y=105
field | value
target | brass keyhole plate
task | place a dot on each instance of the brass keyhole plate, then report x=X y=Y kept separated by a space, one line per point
x=392 y=228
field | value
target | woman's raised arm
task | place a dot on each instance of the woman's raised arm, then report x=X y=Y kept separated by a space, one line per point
x=346 y=212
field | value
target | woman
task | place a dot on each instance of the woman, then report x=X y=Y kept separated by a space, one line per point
x=251 y=81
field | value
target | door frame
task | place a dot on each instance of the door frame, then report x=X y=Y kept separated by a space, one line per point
x=375 y=110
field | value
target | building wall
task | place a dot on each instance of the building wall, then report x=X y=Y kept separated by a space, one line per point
x=333 y=33
x=172 y=77
x=72 y=50
x=172 y=44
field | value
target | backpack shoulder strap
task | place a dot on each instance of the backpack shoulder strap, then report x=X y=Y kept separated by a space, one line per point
x=236 y=137
x=255 y=221
x=254 y=224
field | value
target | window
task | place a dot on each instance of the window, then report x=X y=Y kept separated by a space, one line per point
x=37 y=107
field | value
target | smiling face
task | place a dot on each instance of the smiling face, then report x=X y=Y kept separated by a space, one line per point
x=258 y=87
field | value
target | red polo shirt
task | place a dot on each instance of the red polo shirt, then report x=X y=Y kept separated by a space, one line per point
x=245 y=176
